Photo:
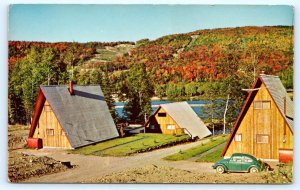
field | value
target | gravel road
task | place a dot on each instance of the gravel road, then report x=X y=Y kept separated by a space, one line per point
x=90 y=167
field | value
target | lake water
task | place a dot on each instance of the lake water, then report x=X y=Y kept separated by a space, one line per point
x=197 y=106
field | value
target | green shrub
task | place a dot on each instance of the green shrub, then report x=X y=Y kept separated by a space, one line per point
x=283 y=173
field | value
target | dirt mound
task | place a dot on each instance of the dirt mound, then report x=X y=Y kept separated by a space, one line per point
x=16 y=142
x=162 y=174
x=147 y=174
x=22 y=166
x=17 y=136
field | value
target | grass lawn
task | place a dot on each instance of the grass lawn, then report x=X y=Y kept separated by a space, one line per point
x=105 y=145
x=129 y=145
x=106 y=54
x=213 y=156
x=189 y=153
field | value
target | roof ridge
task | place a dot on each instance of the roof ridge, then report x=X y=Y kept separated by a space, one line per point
x=275 y=76
x=174 y=103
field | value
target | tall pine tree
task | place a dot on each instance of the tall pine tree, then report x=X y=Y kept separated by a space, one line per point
x=140 y=91
x=107 y=88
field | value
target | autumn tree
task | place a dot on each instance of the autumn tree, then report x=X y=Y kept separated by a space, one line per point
x=36 y=69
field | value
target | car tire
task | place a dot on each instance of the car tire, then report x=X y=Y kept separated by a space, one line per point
x=253 y=170
x=220 y=169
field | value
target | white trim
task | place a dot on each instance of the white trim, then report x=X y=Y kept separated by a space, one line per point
x=254 y=89
x=269 y=160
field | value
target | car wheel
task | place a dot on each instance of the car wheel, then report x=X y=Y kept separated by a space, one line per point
x=253 y=170
x=220 y=169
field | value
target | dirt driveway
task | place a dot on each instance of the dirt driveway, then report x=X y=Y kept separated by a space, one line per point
x=95 y=169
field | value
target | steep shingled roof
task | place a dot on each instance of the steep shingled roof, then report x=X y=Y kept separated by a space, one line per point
x=185 y=117
x=84 y=116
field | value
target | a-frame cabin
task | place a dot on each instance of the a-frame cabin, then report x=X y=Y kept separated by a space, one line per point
x=176 y=118
x=264 y=127
x=70 y=117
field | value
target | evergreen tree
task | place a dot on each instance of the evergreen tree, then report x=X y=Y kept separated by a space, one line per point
x=160 y=90
x=72 y=58
x=233 y=91
x=140 y=91
x=190 y=89
x=107 y=88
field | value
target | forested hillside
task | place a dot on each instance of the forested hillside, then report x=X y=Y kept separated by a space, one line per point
x=207 y=64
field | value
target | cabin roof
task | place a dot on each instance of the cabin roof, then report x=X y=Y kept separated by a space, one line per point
x=277 y=93
x=84 y=116
x=185 y=117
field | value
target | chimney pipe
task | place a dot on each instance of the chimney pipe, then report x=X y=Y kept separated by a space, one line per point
x=71 y=88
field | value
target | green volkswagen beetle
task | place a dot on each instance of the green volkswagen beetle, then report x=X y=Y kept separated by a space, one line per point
x=240 y=162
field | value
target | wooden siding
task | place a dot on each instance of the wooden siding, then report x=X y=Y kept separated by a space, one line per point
x=262 y=122
x=163 y=122
x=46 y=121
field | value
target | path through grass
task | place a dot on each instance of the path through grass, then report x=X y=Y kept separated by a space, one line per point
x=213 y=156
x=189 y=153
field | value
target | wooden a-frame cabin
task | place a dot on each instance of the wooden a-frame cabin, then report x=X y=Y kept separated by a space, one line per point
x=176 y=118
x=264 y=127
x=70 y=117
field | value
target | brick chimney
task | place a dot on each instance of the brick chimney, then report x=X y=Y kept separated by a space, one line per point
x=71 y=88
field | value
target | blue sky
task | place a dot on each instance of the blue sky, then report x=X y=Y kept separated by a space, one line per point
x=84 y=23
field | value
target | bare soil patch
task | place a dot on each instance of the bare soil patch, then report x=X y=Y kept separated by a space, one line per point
x=23 y=166
x=163 y=174
x=17 y=135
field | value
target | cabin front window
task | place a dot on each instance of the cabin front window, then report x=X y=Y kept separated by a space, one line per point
x=238 y=137
x=152 y=127
x=162 y=114
x=170 y=127
x=263 y=139
x=262 y=105
x=50 y=132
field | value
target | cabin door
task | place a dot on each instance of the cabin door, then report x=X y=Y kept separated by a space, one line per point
x=49 y=137
x=262 y=129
